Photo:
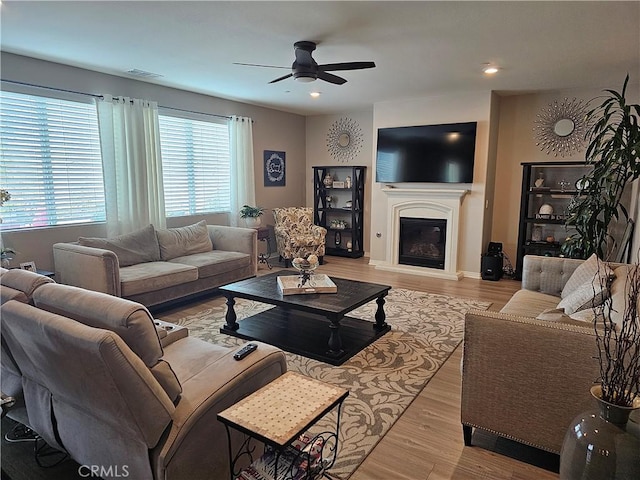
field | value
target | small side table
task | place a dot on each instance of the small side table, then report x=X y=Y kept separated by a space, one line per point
x=277 y=415
x=263 y=236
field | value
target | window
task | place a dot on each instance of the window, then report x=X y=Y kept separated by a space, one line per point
x=196 y=166
x=50 y=162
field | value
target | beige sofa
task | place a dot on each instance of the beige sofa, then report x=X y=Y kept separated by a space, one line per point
x=154 y=267
x=526 y=378
x=98 y=383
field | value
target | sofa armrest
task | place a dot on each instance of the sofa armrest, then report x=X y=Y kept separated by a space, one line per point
x=196 y=445
x=318 y=232
x=526 y=379
x=87 y=267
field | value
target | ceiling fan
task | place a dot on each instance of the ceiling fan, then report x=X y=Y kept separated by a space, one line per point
x=306 y=69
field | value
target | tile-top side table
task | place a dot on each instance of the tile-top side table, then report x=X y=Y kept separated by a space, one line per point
x=277 y=415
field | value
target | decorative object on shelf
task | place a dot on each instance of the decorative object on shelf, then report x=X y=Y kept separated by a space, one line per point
x=545 y=211
x=329 y=199
x=536 y=233
x=337 y=184
x=582 y=184
x=539 y=183
x=274 y=169
x=563 y=185
x=349 y=246
x=328 y=180
x=305 y=266
x=31 y=266
x=560 y=127
x=337 y=239
x=251 y=215
x=347 y=182
x=614 y=129
x=348 y=204
x=344 y=139
x=338 y=224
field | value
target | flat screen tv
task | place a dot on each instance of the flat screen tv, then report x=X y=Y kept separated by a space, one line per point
x=426 y=153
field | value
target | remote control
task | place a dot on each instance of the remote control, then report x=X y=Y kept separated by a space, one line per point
x=244 y=351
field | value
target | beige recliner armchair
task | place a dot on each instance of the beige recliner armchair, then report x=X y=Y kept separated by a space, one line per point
x=99 y=385
x=296 y=234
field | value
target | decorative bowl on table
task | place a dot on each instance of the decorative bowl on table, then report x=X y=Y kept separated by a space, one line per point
x=305 y=266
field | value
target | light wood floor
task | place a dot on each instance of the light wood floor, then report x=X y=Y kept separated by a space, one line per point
x=426 y=442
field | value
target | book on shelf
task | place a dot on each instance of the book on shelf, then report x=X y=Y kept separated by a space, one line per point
x=317 y=283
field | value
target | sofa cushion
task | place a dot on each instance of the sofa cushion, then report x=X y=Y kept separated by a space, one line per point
x=131 y=248
x=129 y=320
x=214 y=262
x=176 y=242
x=620 y=289
x=587 y=287
x=528 y=303
x=151 y=276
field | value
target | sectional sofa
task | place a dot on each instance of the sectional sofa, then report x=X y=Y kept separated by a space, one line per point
x=93 y=378
x=156 y=266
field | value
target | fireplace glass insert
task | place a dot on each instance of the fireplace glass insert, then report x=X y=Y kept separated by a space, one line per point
x=422 y=242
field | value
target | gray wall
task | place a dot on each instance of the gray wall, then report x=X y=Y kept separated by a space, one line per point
x=272 y=130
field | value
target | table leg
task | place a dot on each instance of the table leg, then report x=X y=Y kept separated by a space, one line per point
x=380 y=315
x=335 y=340
x=231 y=316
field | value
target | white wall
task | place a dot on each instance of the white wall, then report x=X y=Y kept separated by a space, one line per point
x=469 y=107
x=272 y=130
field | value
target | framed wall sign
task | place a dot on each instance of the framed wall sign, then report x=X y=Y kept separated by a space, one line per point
x=274 y=168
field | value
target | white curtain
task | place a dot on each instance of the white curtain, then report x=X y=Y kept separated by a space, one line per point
x=243 y=186
x=132 y=163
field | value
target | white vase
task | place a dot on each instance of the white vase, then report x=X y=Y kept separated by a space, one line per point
x=253 y=222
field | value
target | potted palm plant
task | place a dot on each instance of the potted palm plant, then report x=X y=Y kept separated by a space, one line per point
x=251 y=215
x=614 y=152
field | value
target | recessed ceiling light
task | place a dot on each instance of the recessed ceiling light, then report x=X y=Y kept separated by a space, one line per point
x=314 y=94
x=490 y=69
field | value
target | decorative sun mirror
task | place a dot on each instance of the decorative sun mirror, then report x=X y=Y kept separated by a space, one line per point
x=344 y=139
x=560 y=128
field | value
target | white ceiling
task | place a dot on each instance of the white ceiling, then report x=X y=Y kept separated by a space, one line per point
x=421 y=48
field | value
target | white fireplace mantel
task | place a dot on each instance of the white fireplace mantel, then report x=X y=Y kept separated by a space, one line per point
x=437 y=203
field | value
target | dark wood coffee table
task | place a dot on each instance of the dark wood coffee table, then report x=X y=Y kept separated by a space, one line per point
x=313 y=325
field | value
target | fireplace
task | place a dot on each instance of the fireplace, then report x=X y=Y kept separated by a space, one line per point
x=422 y=242
x=433 y=204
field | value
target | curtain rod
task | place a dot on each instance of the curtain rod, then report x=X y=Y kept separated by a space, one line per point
x=228 y=117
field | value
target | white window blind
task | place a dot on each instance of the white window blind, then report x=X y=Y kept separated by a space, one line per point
x=196 y=166
x=50 y=162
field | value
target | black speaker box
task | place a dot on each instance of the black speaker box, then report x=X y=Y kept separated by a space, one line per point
x=491 y=267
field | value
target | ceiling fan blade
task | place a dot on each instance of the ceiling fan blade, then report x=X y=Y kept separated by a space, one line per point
x=328 y=77
x=330 y=67
x=257 y=65
x=281 y=78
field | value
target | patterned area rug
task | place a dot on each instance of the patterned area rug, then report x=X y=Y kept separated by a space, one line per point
x=383 y=379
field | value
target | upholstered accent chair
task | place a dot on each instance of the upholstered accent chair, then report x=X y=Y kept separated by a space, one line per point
x=296 y=235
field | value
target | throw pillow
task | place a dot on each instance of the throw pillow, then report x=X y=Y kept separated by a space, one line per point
x=177 y=242
x=587 y=287
x=620 y=289
x=131 y=248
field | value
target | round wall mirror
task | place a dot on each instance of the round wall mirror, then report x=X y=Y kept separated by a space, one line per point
x=564 y=127
x=344 y=139
x=560 y=128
